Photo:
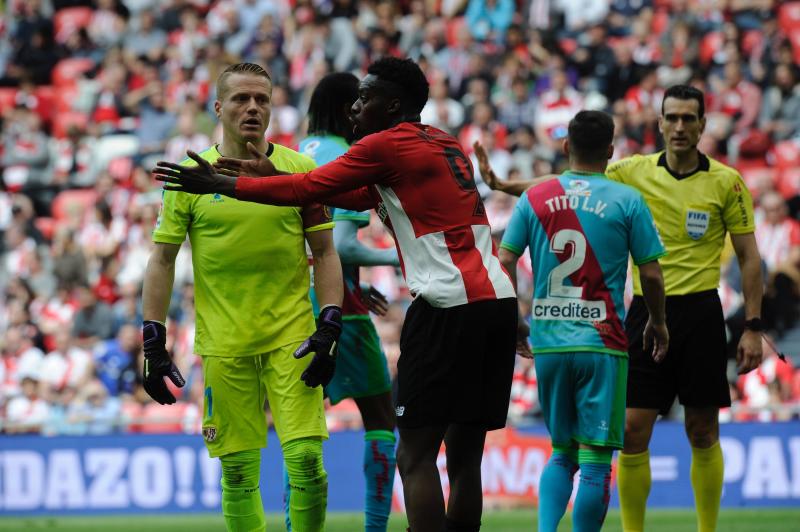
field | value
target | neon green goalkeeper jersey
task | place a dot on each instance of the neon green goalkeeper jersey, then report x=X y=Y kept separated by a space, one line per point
x=251 y=276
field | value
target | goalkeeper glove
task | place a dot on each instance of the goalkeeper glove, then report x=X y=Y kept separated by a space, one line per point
x=323 y=344
x=158 y=364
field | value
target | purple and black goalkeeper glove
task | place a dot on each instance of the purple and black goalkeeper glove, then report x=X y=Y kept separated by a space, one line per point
x=158 y=364
x=323 y=344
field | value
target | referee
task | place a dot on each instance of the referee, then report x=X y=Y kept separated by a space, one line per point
x=694 y=200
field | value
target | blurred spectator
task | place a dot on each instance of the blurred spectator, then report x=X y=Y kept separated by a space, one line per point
x=156 y=122
x=27 y=413
x=26 y=158
x=520 y=109
x=185 y=138
x=86 y=112
x=778 y=238
x=72 y=159
x=93 y=321
x=488 y=20
x=143 y=36
x=441 y=111
x=69 y=262
x=66 y=365
x=780 y=109
x=556 y=108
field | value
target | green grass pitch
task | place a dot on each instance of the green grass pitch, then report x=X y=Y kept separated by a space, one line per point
x=750 y=520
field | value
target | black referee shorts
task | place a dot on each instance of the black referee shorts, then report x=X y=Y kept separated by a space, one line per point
x=696 y=363
x=456 y=364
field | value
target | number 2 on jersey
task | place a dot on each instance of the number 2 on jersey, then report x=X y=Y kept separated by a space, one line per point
x=558 y=244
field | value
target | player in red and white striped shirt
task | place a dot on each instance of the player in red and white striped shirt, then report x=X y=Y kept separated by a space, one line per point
x=459 y=336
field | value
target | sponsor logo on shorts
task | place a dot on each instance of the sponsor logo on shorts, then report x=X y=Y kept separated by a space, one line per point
x=570 y=309
x=603 y=426
x=697 y=223
x=399 y=410
x=210 y=433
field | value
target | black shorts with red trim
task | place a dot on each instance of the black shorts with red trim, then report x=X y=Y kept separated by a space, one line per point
x=456 y=364
x=696 y=363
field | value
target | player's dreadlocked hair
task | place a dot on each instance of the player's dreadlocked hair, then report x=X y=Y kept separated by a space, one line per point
x=686 y=92
x=239 y=68
x=330 y=101
x=407 y=75
x=590 y=134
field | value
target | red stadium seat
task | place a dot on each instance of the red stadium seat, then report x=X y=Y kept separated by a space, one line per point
x=452 y=28
x=69 y=20
x=46 y=94
x=751 y=40
x=65 y=119
x=121 y=168
x=795 y=39
x=65 y=98
x=787 y=154
x=756 y=177
x=81 y=199
x=660 y=21
x=789 y=182
x=8 y=97
x=710 y=44
x=46 y=226
x=67 y=71
x=789 y=17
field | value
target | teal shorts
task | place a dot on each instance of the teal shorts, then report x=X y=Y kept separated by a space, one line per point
x=582 y=395
x=361 y=368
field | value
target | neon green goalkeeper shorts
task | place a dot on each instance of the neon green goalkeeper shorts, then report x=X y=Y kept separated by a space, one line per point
x=235 y=392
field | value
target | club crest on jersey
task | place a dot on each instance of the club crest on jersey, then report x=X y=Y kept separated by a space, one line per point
x=697 y=223
x=577 y=187
x=210 y=433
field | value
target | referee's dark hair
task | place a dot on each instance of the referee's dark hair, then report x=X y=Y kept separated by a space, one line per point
x=589 y=135
x=330 y=104
x=239 y=68
x=408 y=77
x=686 y=92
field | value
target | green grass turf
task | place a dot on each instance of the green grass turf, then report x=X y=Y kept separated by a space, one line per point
x=779 y=520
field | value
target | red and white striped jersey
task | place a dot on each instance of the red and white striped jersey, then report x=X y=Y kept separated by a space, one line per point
x=421 y=183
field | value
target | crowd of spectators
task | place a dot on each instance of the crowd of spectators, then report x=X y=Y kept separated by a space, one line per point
x=92 y=92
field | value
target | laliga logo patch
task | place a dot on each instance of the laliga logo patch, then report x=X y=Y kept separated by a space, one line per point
x=210 y=433
x=697 y=223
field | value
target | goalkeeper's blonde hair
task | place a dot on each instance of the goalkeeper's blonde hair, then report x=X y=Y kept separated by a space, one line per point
x=239 y=68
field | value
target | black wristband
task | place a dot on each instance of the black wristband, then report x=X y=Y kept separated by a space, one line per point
x=754 y=324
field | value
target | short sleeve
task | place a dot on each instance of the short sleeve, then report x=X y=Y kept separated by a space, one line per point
x=737 y=212
x=644 y=241
x=316 y=217
x=518 y=231
x=174 y=218
x=621 y=170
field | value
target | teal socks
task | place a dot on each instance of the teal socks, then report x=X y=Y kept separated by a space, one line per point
x=594 y=490
x=555 y=487
x=379 y=468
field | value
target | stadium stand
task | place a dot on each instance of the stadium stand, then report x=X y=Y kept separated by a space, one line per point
x=93 y=92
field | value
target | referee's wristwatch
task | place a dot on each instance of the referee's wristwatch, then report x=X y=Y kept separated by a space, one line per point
x=754 y=324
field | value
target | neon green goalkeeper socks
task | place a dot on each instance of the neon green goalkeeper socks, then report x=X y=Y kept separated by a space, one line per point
x=308 y=484
x=241 y=497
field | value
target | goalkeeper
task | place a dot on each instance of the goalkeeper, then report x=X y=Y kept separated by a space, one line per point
x=253 y=314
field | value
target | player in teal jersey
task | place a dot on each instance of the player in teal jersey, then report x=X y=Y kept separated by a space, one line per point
x=580 y=229
x=361 y=370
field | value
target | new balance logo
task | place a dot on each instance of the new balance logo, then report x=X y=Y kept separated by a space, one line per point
x=399 y=410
